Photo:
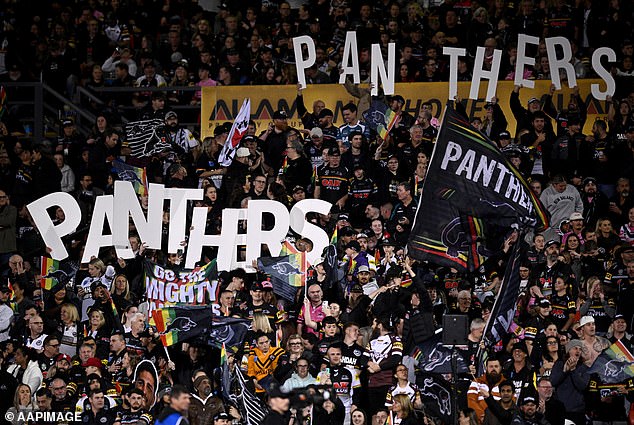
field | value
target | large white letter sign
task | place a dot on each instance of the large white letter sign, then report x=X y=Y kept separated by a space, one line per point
x=479 y=73
x=603 y=73
x=454 y=53
x=227 y=251
x=96 y=239
x=198 y=238
x=178 y=215
x=377 y=68
x=563 y=63
x=272 y=238
x=52 y=234
x=127 y=204
x=523 y=60
x=350 y=53
x=316 y=234
x=301 y=63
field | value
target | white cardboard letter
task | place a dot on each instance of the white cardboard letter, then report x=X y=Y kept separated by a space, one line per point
x=96 y=239
x=350 y=52
x=198 y=238
x=178 y=213
x=479 y=74
x=377 y=68
x=272 y=238
x=523 y=60
x=603 y=73
x=227 y=258
x=301 y=63
x=308 y=230
x=127 y=204
x=563 y=63
x=51 y=234
x=454 y=53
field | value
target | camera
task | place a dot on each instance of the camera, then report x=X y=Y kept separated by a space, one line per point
x=313 y=394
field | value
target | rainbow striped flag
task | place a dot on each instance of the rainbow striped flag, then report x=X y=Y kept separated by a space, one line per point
x=334 y=238
x=391 y=120
x=47 y=267
x=288 y=248
x=223 y=355
x=137 y=176
x=288 y=272
x=178 y=324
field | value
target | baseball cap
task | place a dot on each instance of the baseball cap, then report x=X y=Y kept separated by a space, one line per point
x=298 y=188
x=354 y=245
x=528 y=399
x=280 y=115
x=67 y=123
x=362 y=236
x=257 y=286
x=552 y=242
x=63 y=356
x=533 y=99
x=276 y=392
x=316 y=132
x=356 y=288
x=242 y=152
x=617 y=317
x=363 y=269
x=576 y=216
x=94 y=362
x=544 y=303
x=171 y=114
x=222 y=415
x=504 y=135
x=585 y=320
x=520 y=346
x=334 y=151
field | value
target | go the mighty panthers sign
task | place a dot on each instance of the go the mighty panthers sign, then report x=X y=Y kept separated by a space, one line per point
x=166 y=287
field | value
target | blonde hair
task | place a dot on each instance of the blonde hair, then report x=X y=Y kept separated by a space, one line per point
x=96 y=262
x=16 y=397
x=102 y=319
x=406 y=404
x=72 y=311
x=261 y=323
x=126 y=291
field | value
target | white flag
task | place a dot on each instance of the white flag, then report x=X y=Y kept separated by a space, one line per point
x=238 y=129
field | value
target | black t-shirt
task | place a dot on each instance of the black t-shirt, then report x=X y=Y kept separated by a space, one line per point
x=333 y=183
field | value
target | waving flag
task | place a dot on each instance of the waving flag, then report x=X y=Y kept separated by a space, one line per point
x=614 y=365
x=380 y=118
x=471 y=191
x=238 y=129
x=137 y=176
x=287 y=273
x=146 y=138
x=178 y=324
x=234 y=388
x=228 y=332
x=50 y=273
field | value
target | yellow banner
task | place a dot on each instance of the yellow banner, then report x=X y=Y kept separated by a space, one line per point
x=222 y=104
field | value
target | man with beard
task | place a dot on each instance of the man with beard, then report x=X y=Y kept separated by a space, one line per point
x=489 y=381
x=544 y=274
x=61 y=400
x=528 y=414
x=620 y=203
x=330 y=132
x=181 y=138
x=203 y=403
x=595 y=204
x=135 y=414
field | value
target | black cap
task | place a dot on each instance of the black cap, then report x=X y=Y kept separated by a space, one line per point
x=544 y=303
x=96 y=284
x=356 y=288
x=231 y=52
x=343 y=216
x=354 y=245
x=630 y=129
x=223 y=6
x=396 y=97
x=589 y=180
x=221 y=129
x=280 y=115
x=257 y=286
x=298 y=188
x=275 y=392
x=314 y=21
x=248 y=138
x=552 y=242
x=67 y=123
x=520 y=346
x=333 y=151
x=326 y=113
x=528 y=399
x=504 y=135
x=617 y=317
x=222 y=415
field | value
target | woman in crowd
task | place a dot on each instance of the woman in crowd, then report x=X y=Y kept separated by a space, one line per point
x=22 y=403
x=69 y=328
x=403 y=410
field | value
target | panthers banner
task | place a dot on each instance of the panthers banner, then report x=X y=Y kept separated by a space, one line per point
x=167 y=287
x=288 y=273
x=178 y=324
x=222 y=104
x=472 y=192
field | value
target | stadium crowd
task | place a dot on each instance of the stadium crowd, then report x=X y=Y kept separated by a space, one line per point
x=66 y=349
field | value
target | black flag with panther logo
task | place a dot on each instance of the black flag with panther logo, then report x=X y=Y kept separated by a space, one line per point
x=471 y=191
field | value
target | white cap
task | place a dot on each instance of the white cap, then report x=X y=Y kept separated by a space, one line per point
x=317 y=132
x=242 y=152
x=585 y=320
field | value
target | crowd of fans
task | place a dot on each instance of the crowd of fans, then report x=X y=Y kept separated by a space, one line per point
x=67 y=349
